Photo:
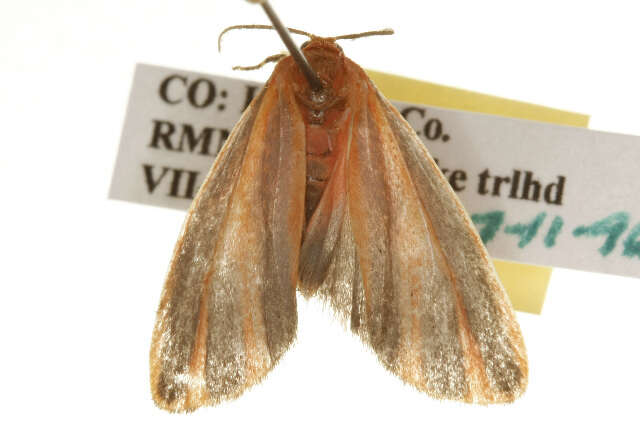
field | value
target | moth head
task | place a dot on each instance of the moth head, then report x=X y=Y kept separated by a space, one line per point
x=326 y=58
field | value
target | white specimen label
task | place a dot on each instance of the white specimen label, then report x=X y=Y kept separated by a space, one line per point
x=538 y=193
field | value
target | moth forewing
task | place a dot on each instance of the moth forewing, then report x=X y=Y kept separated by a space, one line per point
x=425 y=295
x=228 y=308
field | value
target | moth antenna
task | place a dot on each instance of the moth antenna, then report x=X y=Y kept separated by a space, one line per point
x=384 y=32
x=257 y=27
x=272 y=58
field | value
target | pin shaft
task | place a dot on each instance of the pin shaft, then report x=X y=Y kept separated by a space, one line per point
x=296 y=53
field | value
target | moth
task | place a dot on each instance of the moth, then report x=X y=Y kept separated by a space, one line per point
x=328 y=191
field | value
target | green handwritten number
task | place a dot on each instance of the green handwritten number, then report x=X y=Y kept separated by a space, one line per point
x=612 y=226
x=526 y=231
x=632 y=243
x=491 y=222
x=554 y=230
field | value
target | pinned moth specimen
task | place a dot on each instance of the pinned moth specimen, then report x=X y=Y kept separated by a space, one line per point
x=325 y=189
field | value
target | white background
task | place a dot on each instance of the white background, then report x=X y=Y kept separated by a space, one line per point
x=81 y=275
